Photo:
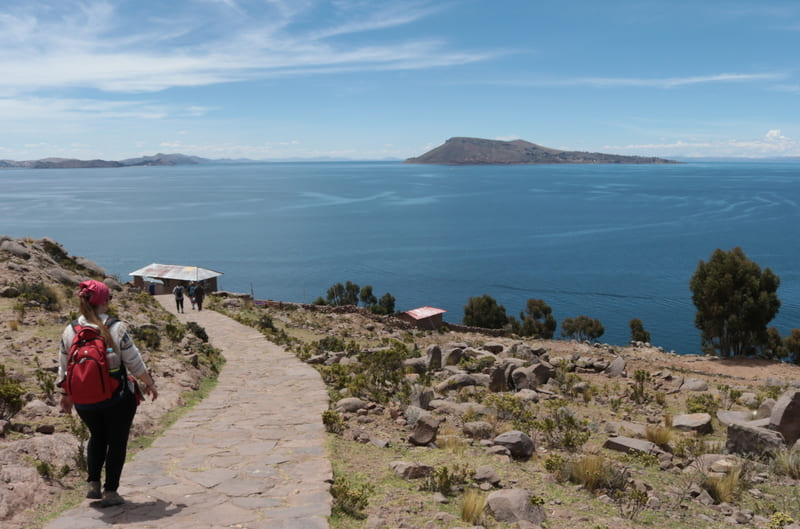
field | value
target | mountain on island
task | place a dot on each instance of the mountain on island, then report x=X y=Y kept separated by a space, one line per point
x=71 y=163
x=477 y=151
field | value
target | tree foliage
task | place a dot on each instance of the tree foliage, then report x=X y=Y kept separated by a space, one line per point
x=484 y=312
x=385 y=305
x=537 y=320
x=366 y=296
x=638 y=333
x=340 y=294
x=735 y=301
x=582 y=328
x=791 y=345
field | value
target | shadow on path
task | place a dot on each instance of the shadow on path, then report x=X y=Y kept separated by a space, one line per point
x=251 y=455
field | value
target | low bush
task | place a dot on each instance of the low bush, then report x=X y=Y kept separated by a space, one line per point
x=702 y=403
x=10 y=395
x=349 y=499
x=787 y=463
x=197 y=330
x=561 y=428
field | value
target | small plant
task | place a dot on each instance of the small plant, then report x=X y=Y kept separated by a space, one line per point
x=81 y=433
x=10 y=395
x=38 y=294
x=211 y=356
x=630 y=503
x=175 y=332
x=779 y=520
x=13 y=325
x=349 y=499
x=642 y=458
x=638 y=392
x=147 y=335
x=658 y=435
x=561 y=428
x=769 y=392
x=197 y=330
x=724 y=489
x=447 y=480
x=45 y=379
x=787 y=463
x=510 y=408
x=332 y=421
x=702 y=403
x=44 y=469
x=265 y=322
x=472 y=507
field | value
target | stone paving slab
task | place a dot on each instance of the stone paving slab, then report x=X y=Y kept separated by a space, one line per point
x=251 y=455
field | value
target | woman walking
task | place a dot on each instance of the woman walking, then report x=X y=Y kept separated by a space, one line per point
x=109 y=420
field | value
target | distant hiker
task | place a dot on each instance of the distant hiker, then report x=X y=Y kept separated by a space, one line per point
x=192 y=288
x=199 y=294
x=178 y=292
x=106 y=342
x=152 y=288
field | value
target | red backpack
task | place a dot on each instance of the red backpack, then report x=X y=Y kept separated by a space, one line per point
x=89 y=380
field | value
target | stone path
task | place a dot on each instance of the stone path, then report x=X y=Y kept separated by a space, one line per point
x=251 y=455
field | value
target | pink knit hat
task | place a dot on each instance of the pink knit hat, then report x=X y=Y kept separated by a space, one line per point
x=95 y=291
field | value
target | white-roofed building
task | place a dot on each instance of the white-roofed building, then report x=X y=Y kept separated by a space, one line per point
x=172 y=275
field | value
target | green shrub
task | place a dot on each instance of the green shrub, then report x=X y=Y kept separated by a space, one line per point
x=10 y=395
x=510 y=408
x=446 y=480
x=38 y=294
x=779 y=520
x=349 y=499
x=702 y=403
x=197 y=330
x=45 y=379
x=332 y=421
x=175 y=332
x=211 y=356
x=148 y=336
x=638 y=393
x=561 y=428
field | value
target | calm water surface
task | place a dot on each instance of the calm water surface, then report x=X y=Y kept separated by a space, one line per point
x=611 y=242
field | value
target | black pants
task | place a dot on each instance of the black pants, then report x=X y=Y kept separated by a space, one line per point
x=179 y=304
x=108 y=444
x=199 y=302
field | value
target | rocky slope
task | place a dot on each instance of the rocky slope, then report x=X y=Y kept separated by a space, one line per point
x=38 y=447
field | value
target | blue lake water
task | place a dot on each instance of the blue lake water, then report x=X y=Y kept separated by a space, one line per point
x=613 y=242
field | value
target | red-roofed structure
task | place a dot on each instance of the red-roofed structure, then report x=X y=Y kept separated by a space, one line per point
x=424 y=317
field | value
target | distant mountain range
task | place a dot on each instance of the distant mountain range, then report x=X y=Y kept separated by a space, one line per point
x=477 y=151
x=71 y=163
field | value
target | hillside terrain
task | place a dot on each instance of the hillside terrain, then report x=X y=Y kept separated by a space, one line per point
x=71 y=163
x=40 y=447
x=477 y=151
x=596 y=436
x=425 y=426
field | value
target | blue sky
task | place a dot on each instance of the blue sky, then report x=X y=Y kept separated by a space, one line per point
x=360 y=79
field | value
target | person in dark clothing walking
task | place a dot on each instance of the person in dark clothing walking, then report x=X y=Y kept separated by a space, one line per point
x=178 y=292
x=199 y=294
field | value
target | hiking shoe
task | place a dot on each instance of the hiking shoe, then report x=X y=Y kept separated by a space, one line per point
x=111 y=498
x=93 y=490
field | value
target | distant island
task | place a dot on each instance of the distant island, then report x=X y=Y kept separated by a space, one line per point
x=477 y=151
x=71 y=163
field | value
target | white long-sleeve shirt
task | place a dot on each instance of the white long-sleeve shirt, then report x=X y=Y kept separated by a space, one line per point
x=130 y=355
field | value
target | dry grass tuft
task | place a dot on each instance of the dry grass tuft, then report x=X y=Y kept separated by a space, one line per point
x=787 y=463
x=659 y=435
x=724 y=489
x=472 y=507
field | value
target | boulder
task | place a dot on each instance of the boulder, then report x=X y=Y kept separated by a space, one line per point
x=425 y=431
x=417 y=365
x=524 y=378
x=785 y=417
x=487 y=474
x=433 y=355
x=727 y=417
x=527 y=395
x=694 y=384
x=497 y=379
x=421 y=397
x=693 y=422
x=410 y=470
x=514 y=505
x=765 y=409
x=413 y=413
x=616 y=368
x=493 y=347
x=478 y=430
x=518 y=443
x=543 y=372
x=745 y=438
x=14 y=248
x=452 y=356
x=631 y=445
x=350 y=404
x=455 y=382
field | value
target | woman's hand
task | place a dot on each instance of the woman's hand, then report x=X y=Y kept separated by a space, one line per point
x=151 y=390
x=66 y=404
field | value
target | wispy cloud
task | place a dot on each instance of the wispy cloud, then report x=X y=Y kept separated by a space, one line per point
x=98 y=47
x=643 y=82
x=773 y=143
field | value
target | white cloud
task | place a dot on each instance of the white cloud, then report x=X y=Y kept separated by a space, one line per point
x=772 y=144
